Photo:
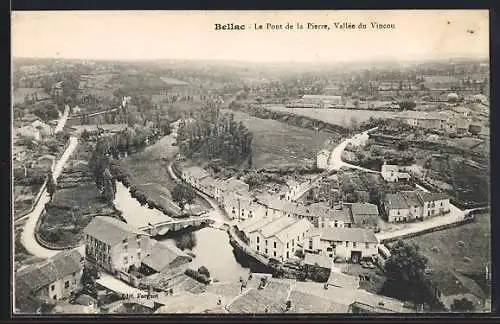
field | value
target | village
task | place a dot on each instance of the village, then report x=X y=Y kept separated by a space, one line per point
x=199 y=186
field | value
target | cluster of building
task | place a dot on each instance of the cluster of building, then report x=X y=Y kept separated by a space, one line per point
x=414 y=205
x=316 y=101
x=276 y=226
x=119 y=248
x=394 y=173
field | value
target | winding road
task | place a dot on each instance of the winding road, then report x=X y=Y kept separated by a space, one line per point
x=28 y=238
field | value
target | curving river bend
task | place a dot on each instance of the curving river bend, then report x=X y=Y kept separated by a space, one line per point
x=210 y=246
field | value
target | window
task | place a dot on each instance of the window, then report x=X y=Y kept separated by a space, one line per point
x=367 y=245
x=66 y=284
x=329 y=249
x=138 y=237
x=266 y=242
x=310 y=244
x=347 y=243
x=441 y=204
x=258 y=239
x=265 y=251
x=274 y=253
x=274 y=244
x=293 y=242
x=125 y=260
x=353 y=244
x=287 y=245
x=109 y=259
x=258 y=248
x=52 y=287
x=125 y=241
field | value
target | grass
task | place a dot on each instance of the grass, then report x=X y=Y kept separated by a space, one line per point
x=443 y=245
x=341 y=117
x=276 y=144
x=20 y=93
x=149 y=172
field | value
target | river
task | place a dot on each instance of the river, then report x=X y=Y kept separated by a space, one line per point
x=210 y=246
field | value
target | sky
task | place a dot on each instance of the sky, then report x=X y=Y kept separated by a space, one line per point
x=191 y=35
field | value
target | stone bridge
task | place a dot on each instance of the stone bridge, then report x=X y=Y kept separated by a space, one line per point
x=162 y=228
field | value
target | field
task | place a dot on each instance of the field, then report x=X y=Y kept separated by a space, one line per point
x=149 y=173
x=341 y=117
x=277 y=144
x=466 y=249
x=20 y=93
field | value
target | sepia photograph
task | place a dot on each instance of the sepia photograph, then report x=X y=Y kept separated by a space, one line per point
x=250 y=162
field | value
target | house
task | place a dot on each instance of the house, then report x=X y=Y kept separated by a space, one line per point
x=322 y=159
x=322 y=100
x=241 y=207
x=319 y=214
x=279 y=238
x=427 y=120
x=194 y=175
x=433 y=203
x=365 y=215
x=414 y=205
x=230 y=187
x=57 y=278
x=162 y=257
x=86 y=300
x=392 y=173
x=345 y=243
x=114 y=245
x=395 y=207
x=57 y=89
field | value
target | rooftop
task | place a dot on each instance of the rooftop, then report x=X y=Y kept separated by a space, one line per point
x=431 y=196
x=349 y=234
x=364 y=209
x=318 y=259
x=161 y=256
x=338 y=279
x=34 y=277
x=110 y=230
x=196 y=172
x=396 y=201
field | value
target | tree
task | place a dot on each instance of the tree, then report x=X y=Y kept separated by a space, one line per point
x=51 y=184
x=204 y=271
x=183 y=194
x=462 y=305
x=89 y=275
x=407 y=105
x=288 y=305
x=405 y=275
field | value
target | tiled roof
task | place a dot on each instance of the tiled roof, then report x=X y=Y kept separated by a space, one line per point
x=395 y=201
x=277 y=226
x=110 y=230
x=35 y=277
x=411 y=198
x=256 y=225
x=233 y=185
x=313 y=210
x=319 y=259
x=364 y=209
x=431 y=196
x=342 y=280
x=196 y=172
x=294 y=230
x=349 y=234
x=161 y=255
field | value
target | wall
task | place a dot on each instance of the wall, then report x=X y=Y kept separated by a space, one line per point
x=58 y=289
x=393 y=215
x=343 y=251
x=118 y=253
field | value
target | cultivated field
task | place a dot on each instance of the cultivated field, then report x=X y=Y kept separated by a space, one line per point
x=341 y=117
x=277 y=144
x=20 y=93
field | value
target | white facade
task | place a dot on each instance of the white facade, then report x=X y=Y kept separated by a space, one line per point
x=322 y=160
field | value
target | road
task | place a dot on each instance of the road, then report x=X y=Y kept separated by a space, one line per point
x=62 y=121
x=335 y=161
x=28 y=235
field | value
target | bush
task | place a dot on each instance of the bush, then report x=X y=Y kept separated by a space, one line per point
x=204 y=271
x=197 y=276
